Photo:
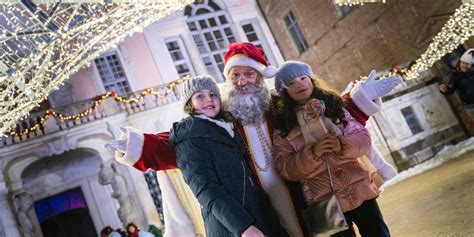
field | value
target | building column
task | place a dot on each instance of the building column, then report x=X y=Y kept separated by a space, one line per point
x=8 y=225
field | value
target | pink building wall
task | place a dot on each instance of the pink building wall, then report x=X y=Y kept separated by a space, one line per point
x=141 y=62
x=83 y=85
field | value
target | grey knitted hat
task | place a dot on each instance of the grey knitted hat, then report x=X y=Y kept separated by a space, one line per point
x=197 y=83
x=288 y=71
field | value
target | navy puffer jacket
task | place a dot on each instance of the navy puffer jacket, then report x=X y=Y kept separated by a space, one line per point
x=215 y=167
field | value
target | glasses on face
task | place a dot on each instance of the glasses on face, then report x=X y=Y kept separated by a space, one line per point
x=247 y=75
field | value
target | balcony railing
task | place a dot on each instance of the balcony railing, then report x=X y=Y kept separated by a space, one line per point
x=62 y=118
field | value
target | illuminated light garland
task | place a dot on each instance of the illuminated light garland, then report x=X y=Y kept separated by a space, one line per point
x=456 y=31
x=42 y=47
x=151 y=91
x=356 y=2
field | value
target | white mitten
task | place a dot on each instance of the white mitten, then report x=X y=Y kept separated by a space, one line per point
x=117 y=145
x=377 y=88
x=120 y=144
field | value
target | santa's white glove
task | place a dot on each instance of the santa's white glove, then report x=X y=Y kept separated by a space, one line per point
x=117 y=145
x=378 y=88
x=120 y=144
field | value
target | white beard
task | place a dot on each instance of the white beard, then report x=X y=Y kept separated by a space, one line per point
x=247 y=108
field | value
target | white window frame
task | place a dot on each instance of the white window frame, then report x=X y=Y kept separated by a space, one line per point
x=416 y=118
x=185 y=60
x=208 y=58
x=262 y=40
x=122 y=62
x=257 y=32
x=300 y=36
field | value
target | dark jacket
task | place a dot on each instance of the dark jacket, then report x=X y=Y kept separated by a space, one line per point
x=463 y=82
x=214 y=165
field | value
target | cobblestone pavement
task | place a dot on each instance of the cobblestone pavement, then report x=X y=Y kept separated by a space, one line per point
x=438 y=202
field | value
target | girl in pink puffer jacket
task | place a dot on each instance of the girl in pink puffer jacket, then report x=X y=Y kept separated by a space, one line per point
x=306 y=135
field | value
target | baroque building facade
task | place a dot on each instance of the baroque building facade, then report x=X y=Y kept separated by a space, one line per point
x=59 y=180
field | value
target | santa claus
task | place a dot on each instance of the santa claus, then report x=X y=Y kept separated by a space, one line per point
x=249 y=99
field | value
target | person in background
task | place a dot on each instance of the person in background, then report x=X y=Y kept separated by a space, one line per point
x=109 y=232
x=134 y=231
x=462 y=81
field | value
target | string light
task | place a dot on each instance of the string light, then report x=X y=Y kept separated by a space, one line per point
x=43 y=46
x=97 y=101
x=456 y=31
x=355 y=2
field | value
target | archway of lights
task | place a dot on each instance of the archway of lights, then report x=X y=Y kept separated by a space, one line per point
x=42 y=45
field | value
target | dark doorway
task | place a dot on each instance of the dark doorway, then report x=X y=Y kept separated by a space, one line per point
x=65 y=214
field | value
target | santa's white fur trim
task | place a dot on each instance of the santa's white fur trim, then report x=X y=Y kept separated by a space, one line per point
x=366 y=105
x=177 y=222
x=270 y=71
x=384 y=169
x=243 y=60
x=135 y=141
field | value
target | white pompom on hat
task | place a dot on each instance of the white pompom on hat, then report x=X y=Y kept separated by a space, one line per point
x=468 y=56
x=247 y=54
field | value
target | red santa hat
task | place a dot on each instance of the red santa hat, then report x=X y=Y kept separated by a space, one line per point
x=247 y=54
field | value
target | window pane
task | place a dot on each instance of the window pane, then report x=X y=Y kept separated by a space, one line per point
x=177 y=55
x=212 y=45
x=172 y=45
x=180 y=58
x=218 y=58
x=212 y=22
x=252 y=37
x=208 y=36
x=198 y=41
x=203 y=24
x=192 y=26
x=206 y=60
x=287 y=21
x=291 y=16
x=247 y=28
x=212 y=39
x=182 y=68
x=112 y=74
x=223 y=20
x=202 y=11
x=411 y=120
x=296 y=33
x=217 y=34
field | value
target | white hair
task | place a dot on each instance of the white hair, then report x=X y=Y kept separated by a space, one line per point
x=250 y=107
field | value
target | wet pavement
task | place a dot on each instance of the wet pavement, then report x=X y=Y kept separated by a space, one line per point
x=438 y=202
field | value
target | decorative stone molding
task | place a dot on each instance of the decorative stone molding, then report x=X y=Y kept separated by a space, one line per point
x=108 y=175
x=57 y=146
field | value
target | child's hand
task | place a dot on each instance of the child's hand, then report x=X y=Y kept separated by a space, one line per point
x=336 y=145
x=327 y=143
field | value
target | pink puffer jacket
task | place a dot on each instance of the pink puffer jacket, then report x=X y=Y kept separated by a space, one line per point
x=295 y=161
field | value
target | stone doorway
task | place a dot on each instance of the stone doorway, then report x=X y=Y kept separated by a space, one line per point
x=65 y=214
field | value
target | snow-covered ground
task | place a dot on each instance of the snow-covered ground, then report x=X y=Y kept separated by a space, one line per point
x=447 y=153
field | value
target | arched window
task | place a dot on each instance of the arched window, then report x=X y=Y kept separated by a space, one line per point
x=212 y=32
